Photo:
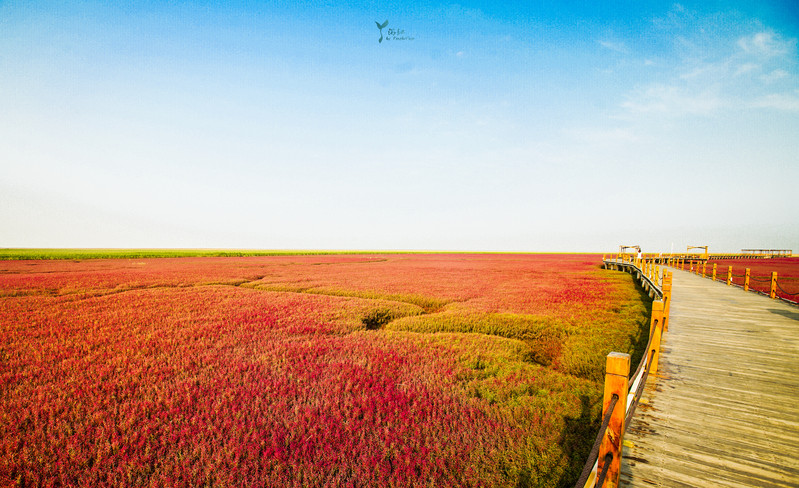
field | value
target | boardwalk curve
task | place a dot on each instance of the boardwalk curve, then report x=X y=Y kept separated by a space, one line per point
x=723 y=409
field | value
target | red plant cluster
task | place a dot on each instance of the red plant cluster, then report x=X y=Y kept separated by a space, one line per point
x=760 y=274
x=261 y=371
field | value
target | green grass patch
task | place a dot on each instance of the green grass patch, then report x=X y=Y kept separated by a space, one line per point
x=542 y=335
x=44 y=253
x=426 y=303
x=563 y=410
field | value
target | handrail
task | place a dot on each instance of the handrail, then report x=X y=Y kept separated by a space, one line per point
x=640 y=382
x=640 y=266
x=748 y=278
x=691 y=262
x=629 y=389
x=591 y=464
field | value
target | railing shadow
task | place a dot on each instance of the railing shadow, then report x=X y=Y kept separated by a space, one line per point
x=641 y=340
x=785 y=313
x=577 y=438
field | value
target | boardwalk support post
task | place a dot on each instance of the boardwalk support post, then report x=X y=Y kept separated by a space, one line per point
x=655 y=333
x=746 y=280
x=773 y=292
x=704 y=269
x=617 y=369
x=714 y=271
x=666 y=300
x=729 y=275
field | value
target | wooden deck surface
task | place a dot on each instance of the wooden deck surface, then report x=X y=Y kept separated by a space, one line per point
x=724 y=408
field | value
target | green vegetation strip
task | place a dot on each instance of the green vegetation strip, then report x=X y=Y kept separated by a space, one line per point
x=9 y=254
x=17 y=254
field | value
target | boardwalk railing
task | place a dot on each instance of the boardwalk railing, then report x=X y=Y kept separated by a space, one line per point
x=622 y=392
x=777 y=289
x=744 y=254
x=745 y=280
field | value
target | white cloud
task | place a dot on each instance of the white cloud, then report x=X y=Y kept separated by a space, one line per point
x=705 y=70
x=619 y=47
x=766 y=44
x=777 y=74
x=746 y=68
x=673 y=100
x=741 y=73
x=788 y=102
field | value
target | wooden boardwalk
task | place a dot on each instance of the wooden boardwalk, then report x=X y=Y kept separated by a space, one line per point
x=723 y=409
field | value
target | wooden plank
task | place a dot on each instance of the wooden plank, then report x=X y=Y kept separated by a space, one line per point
x=723 y=409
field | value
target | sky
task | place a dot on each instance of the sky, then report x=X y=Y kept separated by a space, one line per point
x=545 y=126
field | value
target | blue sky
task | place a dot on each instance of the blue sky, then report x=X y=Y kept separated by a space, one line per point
x=547 y=126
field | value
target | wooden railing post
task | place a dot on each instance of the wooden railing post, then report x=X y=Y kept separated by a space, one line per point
x=729 y=275
x=704 y=268
x=617 y=369
x=666 y=299
x=773 y=292
x=714 y=271
x=746 y=280
x=655 y=332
